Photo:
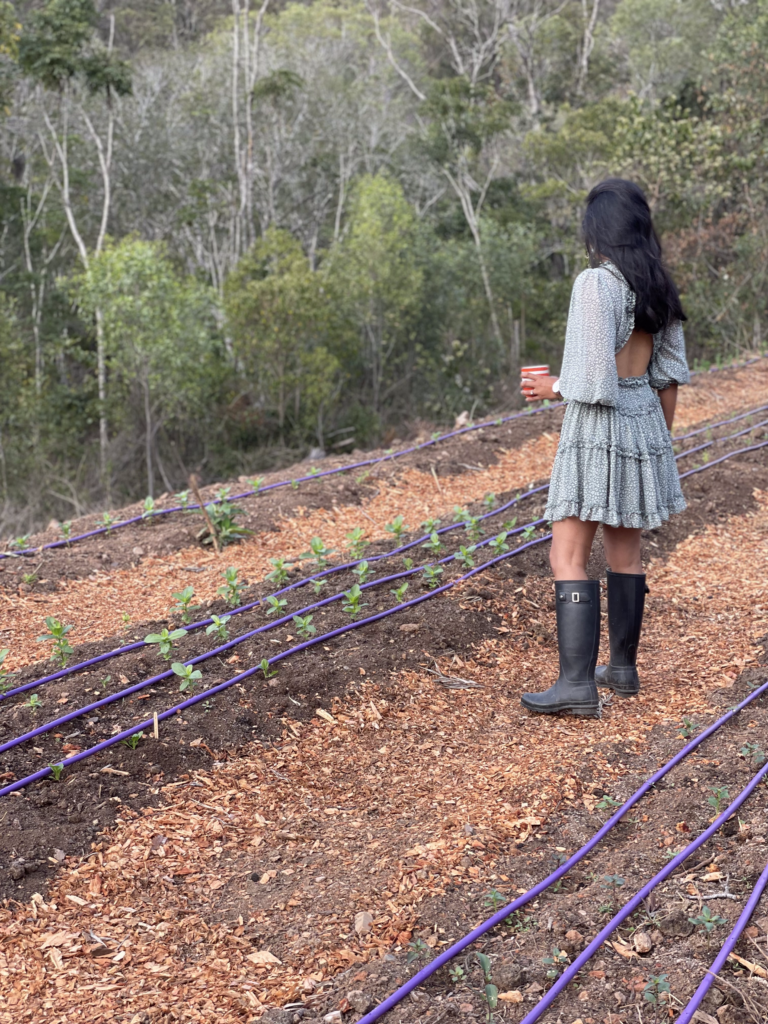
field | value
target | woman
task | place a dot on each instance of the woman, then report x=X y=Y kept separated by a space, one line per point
x=623 y=361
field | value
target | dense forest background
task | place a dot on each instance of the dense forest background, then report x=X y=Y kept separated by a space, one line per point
x=232 y=231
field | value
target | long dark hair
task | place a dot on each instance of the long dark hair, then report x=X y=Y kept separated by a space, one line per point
x=617 y=226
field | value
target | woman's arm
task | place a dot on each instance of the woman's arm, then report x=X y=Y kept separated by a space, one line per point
x=668 y=399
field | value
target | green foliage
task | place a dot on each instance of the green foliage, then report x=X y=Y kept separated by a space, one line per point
x=276 y=604
x=33 y=703
x=266 y=669
x=490 y=992
x=184 y=606
x=753 y=752
x=223 y=515
x=107 y=520
x=498 y=545
x=417 y=948
x=430 y=525
x=707 y=920
x=432 y=574
x=555 y=963
x=304 y=626
x=232 y=589
x=133 y=740
x=464 y=556
x=57 y=635
x=719 y=798
x=219 y=626
x=182 y=497
x=353 y=605
x=57 y=770
x=397 y=528
x=688 y=728
x=356 y=543
x=279 y=574
x=319 y=552
x=434 y=545
x=4 y=673
x=657 y=984
x=189 y=676
x=165 y=640
x=66 y=531
x=400 y=592
x=149 y=508
x=363 y=571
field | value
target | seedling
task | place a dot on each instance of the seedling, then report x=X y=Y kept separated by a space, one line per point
x=319 y=552
x=223 y=515
x=687 y=729
x=408 y=562
x=612 y=883
x=223 y=493
x=494 y=899
x=19 y=543
x=4 y=673
x=430 y=525
x=184 y=604
x=183 y=499
x=707 y=920
x=657 y=984
x=753 y=752
x=353 y=607
x=435 y=435
x=29 y=578
x=268 y=672
x=256 y=483
x=490 y=501
x=294 y=485
x=165 y=640
x=108 y=521
x=134 y=740
x=432 y=574
x=149 y=507
x=417 y=949
x=317 y=586
x=363 y=571
x=33 y=703
x=528 y=532
x=279 y=574
x=304 y=626
x=187 y=674
x=57 y=770
x=66 y=531
x=498 y=545
x=105 y=681
x=232 y=589
x=57 y=633
x=606 y=803
x=356 y=543
x=276 y=604
x=434 y=544
x=126 y=619
x=491 y=992
x=464 y=556
x=520 y=922
x=456 y=973
x=720 y=797
x=460 y=515
x=474 y=528
x=219 y=627
x=509 y=524
x=314 y=471
x=399 y=592
x=397 y=528
x=555 y=963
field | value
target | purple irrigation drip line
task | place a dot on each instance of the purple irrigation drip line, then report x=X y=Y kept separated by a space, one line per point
x=730 y=437
x=687 y=1015
x=117 y=652
x=315 y=476
x=285 y=620
x=206 y=694
x=281 y=483
x=540 y=887
x=722 y=423
x=709 y=465
x=629 y=908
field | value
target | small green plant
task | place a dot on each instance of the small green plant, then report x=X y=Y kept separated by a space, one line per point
x=183 y=499
x=279 y=574
x=490 y=992
x=363 y=571
x=432 y=574
x=314 y=471
x=652 y=993
x=66 y=531
x=219 y=627
x=29 y=578
x=319 y=552
x=188 y=675
x=223 y=516
x=612 y=883
x=474 y=528
x=294 y=485
x=276 y=604
x=165 y=640
x=498 y=545
x=434 y=544
x=184 y=606
x=108 y=521
x=435 y=435
x=528 y=533
x=687 y=729
x=456 y=973
x=223 y=493
x=255 y=483
x=606 y=803
x=57 y=634
x=753 y=753
x=304 y=626
x=356 y=543
x=509 y=524
x=33 y=703
x=460 y=515
x=399 y=592
x=265 y=668
x=520 y=922
x=407 y=562
x=133 y=740
x=231 y=588
x=430 y=525
x=5 y=675
x=494 y=899
x=720 y=797
x=416 y=950
x=105 y=682
x=397 y=528
x=555 y=963
x=149 y=507
x=126 y=620
x=57 y=770
x=464 y=556
x=490 y=501
x=19 y=543
x=317 y=586
x=353 y=607
x=705 y=458
x=707 y=920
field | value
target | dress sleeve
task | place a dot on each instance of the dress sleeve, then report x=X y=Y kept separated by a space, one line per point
x=668 y=362
x=588 y=371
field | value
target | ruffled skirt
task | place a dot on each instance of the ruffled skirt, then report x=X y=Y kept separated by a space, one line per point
x=616 y=465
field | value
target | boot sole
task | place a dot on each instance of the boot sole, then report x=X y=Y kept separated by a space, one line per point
x=554 y=709
x=619 y=693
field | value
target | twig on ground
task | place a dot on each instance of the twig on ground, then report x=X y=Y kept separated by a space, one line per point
x=195 y=488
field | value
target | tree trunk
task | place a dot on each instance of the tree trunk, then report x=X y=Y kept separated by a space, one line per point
x=148 y=429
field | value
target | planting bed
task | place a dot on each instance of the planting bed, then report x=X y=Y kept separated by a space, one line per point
x=218 y=871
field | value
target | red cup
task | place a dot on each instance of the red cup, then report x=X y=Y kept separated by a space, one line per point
x=540 y=370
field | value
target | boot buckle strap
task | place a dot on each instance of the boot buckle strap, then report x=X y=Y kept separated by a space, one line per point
x=575 y=596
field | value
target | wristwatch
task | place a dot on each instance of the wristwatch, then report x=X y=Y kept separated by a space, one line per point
x=556 y=386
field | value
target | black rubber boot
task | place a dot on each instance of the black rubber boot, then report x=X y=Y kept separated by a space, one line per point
x=626 y=602
x=577 y=603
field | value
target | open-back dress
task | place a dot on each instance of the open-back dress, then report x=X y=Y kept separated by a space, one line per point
x=614 y=462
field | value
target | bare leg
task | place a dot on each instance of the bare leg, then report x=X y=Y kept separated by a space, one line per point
x=622 y=549
x=571 y=546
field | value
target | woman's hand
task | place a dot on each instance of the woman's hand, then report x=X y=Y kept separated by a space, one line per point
x=535 y=389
